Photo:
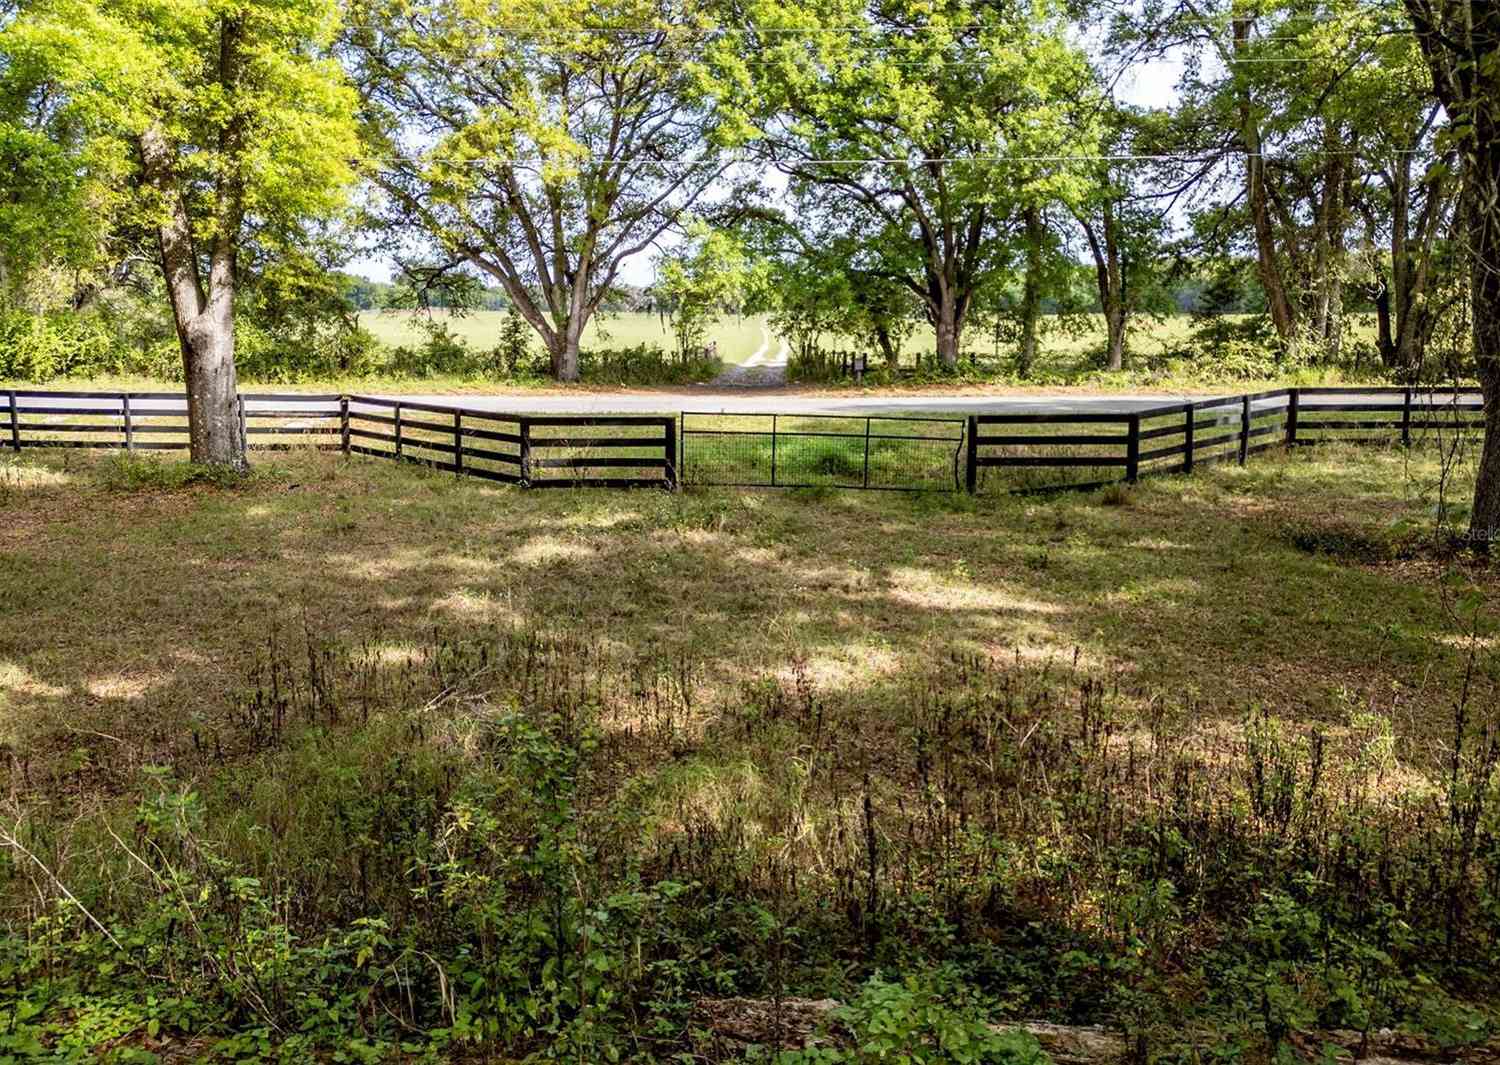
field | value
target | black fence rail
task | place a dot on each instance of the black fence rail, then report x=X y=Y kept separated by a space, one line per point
x=1323 y=414
x=602 y=451
x=538 y=451
x=158 y=421
x=1040 y=450
x=821 y=451
x=476 y=443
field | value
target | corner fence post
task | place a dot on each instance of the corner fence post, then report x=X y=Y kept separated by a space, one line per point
x=1294 y=407
x=344 y=424
x=398 y=430
x=458 y=443
x=1189 y=427
x=971 y=464
x=1244 y=428
x=15 y=425
x=669 y=427
x=1406 y=419
x=125 y=415
x=525 y=427
x=1133 y=450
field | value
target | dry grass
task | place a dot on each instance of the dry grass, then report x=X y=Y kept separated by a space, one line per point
x=129 y=620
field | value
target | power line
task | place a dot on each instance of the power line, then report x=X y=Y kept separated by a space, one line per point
x=794 y=31
x=1207 y=156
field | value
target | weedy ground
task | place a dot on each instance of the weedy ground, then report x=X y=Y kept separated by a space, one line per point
x=358 y=760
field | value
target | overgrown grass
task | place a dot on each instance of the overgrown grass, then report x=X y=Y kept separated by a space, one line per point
x=355 y=758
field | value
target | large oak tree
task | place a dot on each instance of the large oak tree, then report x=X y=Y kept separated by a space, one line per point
x=939 y=126
x=227 y=121
x=541 y=144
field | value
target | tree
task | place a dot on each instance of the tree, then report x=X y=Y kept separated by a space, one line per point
x=699 y=280
x=225 y=122
x=932 y=124
x=1301 y=113
x=540 y=144
x=1460 y=40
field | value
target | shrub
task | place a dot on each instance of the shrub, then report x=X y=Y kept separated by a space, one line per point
x=40 y=347
x=643 y=364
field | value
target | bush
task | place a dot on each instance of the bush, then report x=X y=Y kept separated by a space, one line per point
x=911 y=1022
x=40 y=347
x=643 y=364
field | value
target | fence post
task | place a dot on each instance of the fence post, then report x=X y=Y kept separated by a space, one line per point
x=15 y=426
x=458 y=442
x=1189 y=428
x=971 y=465
x=525 y=427
x=867 y=452
x=239 y=398
x=669 y=426
x=1406 y=419
x=773 y=451
x=1133 y=450
x=1244 y=428
x=398 y=430
x=1294 y=406
x=129 y=429
x=344 y=424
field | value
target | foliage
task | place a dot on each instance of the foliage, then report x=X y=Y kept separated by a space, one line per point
x=908 y=1023
x=897 y=138
x=547 y=158
x=472 y=874
x=699 y=281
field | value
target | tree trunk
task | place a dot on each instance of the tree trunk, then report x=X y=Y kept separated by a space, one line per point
x=887 y=346
x=1114 y=321
x=1483 y=200
x=1329 y=255
x=1268 y=260
x=213 y=392
x=564 y=352
x=1384 y=338
x=1109 y=275
x=1031 y=292
x=948 y=332
x=204 y=321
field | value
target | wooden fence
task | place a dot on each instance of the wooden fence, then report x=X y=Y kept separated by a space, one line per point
x=158 y=421
x=1083 y=449
x=538 y=451
x=1043 y=450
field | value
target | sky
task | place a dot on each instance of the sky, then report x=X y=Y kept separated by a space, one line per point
x=1152 y=84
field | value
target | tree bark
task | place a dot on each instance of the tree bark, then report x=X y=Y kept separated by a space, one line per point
x=1267 y=258
x=562 y=347
x=1460 y=40
x=887 y=346
x=1109 y=275
x=948 y=330
x=204 y=320
x=1483 y=198
x=1031 y=292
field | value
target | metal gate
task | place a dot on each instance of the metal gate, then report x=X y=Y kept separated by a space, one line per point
x=880 y=452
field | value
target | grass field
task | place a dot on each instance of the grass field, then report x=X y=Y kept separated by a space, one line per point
x=356 y=754
x=738 y=338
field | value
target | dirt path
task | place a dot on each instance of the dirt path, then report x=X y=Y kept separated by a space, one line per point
x=760 y=370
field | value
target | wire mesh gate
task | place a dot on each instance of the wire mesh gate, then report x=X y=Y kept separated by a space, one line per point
x=882 y=452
